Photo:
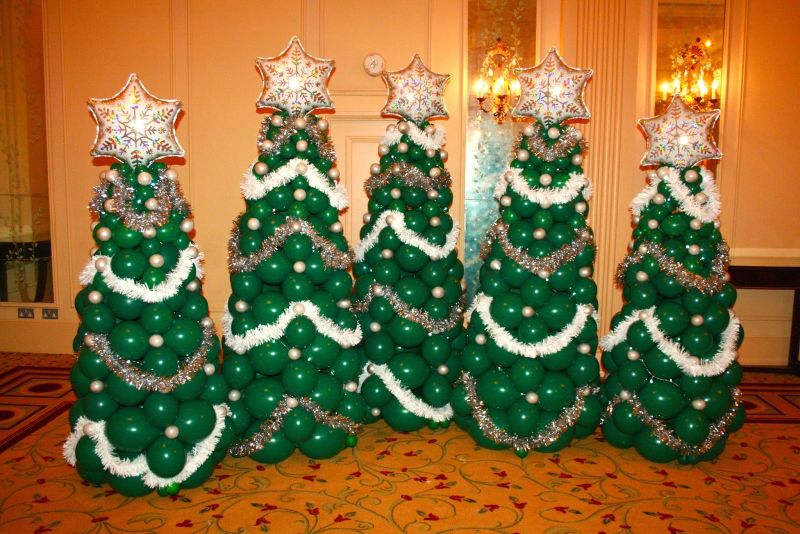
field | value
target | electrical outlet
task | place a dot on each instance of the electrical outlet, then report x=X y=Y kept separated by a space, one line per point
x=49 y=313
x=24 y=313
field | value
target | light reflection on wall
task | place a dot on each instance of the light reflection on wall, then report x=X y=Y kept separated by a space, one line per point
x=489 y=144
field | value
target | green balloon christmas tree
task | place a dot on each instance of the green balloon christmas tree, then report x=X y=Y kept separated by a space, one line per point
x=410 y=298
x=530 y=377
x=151 y=410
x=670 y=357
x=289 y=332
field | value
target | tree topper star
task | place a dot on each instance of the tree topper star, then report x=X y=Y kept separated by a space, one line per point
x=415 y=93
x=680 y=137
x=552 y=91
x=134 y=126
x=294 y=81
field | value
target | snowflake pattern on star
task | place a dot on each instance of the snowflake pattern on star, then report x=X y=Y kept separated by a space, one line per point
x=134 y=126
x=415 y=93
x=552 y=91
x=294 y=81
x=680 y=137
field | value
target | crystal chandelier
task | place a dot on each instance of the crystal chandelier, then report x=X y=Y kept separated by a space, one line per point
x=694 y=76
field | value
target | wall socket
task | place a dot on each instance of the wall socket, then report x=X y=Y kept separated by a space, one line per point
x=49 y=313
x=24 y=313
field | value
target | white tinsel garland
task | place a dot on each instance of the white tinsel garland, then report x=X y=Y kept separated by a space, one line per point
x=254 y=188
x=96 y=431
x=265 y=333
x=418 y=136
x=548 y=345
x=138 y=291
x=689 y=364
x=410 y=402
x=409 y=237
x=575 y=185
x=705 y=213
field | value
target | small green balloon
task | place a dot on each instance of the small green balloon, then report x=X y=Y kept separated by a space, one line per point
x=98 y=318
x=406 y=333
x=129 y=340
x=328 y=392
x=169 y=490
x=437 y=390
x=124 y=392
x=238 y=371
x=166 y=457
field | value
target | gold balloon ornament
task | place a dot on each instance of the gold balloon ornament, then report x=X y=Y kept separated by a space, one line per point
x=415 y=93
x=134 y=126
x=295 y=81
x=552 y=91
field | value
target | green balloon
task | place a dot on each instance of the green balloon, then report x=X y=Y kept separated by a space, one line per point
x=99 y=406
x=691 y=426
x=92 y=365
x=639 y=338
x=652 y=448
x=191 y=389
x=661 y=365
x=156 y=318
x=328 y=392
x=716 y=319
x=410 y=369
x=625 y=420
x=496 y=389
x=436 y=349
x=300 y=332
x=527 y=374
x=556 y=391
x=324 y=352
x=633 y=375
x=98 y=318
x=277 y=449
x=591 y=413
x=410 y=258
x=475 y=360
x=694 y=386
x=584 y=370
x=615 y=436
x=161 y=361
x=374 y=391
x=718 y=400
x=216 y=389
x=506 y=309
x=274 y=269
x=129 y=486
x=662 y=399
x=184 y=336
x=558 y=312
x=129 y=340
x=406 y=333
x=297 y=286
x=238 y=371
x=437 y=390
x=268 y=306
x=299 y=378
x=246 y=286
x=325 y=442
x=160 y=409
x=195 y=420
x=523 y=418
x=672 y=318
x=166 y=457
x=353 y=406
x=128 y=430
x=262 y=396
x=268 y=359
x=128 y=263
x=298 y=426
x=86 y=455
x=412 y=291
x=124 y=392
x=400 y=419
x=239 y=416
x=697 y=340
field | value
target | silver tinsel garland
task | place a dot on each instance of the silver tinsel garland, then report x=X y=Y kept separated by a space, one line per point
x=415 y=315
x=143 y=380
x=550 y=434
x=166 y=191
x=660 y=430
x=410 y=176
x=269 y=426
x=570 y=137
x=550 y=263
x=713 y=284
x=331 y=256
x=288 y=129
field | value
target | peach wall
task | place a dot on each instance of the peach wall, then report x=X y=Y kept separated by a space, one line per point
x=202 y=52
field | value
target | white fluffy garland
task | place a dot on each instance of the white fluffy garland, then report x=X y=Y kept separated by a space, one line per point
x=410 y=402
x=548 y=345
x=705 y=213
x=96 y=430
x=254 y=188
x=418 y=136
x=575 y=185
x=138 y=291
x=689 y=364
x=265 y=333
x=409 y=237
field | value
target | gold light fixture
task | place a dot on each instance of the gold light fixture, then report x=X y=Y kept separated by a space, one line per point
x=497 y=86
x=694 y=76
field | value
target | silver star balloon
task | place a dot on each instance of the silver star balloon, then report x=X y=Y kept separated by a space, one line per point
x=552 y=91
x=134 y=126
x=294 y=81
x=680 y=137
x=415 y=93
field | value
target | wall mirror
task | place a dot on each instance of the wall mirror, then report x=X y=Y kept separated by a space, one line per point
x=25 y=249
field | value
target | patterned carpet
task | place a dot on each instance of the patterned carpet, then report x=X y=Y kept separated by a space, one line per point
x=430 y=481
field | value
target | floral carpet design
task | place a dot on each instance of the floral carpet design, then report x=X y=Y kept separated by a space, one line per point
x=426 y=481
